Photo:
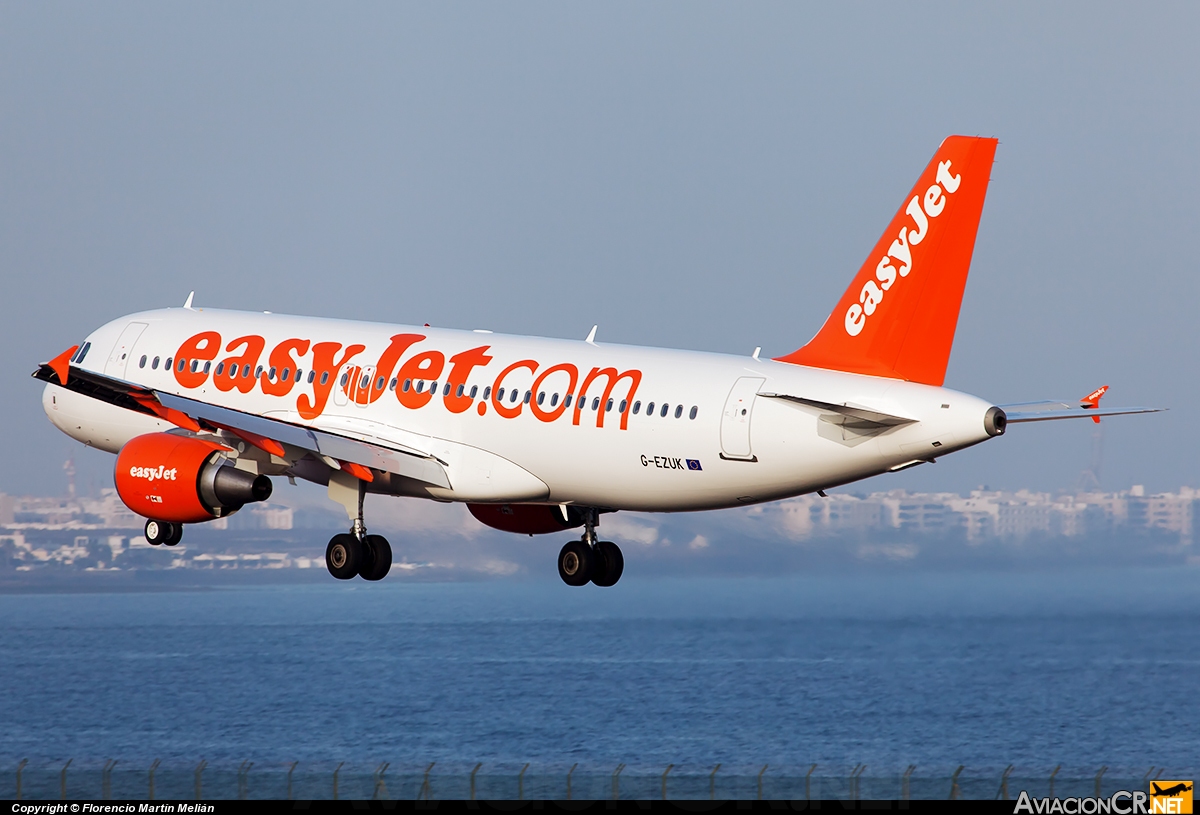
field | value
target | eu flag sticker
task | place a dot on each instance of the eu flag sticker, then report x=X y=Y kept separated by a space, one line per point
x=694 y=464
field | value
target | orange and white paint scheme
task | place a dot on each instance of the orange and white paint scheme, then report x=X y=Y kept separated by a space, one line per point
x=204 y=406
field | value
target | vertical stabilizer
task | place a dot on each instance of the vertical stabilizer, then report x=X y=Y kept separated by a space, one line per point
x=898 y=317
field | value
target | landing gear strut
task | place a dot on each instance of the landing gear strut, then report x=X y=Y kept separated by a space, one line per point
x=356 y=553
x=590 y=560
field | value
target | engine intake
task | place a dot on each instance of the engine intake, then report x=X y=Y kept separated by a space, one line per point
x=183 y=479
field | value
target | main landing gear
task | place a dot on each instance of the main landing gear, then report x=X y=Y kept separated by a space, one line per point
x=164 y=533
x=358 y=554
x=589 y=560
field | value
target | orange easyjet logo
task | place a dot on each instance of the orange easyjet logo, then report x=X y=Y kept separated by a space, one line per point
x=886 y=272
x=399 y=372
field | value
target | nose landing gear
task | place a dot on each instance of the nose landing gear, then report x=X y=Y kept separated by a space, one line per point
x=590 y=560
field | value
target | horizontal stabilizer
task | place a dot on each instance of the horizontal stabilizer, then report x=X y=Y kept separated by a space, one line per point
x=858 y=414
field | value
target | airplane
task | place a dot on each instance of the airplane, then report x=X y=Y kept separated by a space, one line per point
x=202 y=407
x=1170 y=792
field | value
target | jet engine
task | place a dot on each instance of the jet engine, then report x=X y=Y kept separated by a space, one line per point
x=182 y=479
x=526 y=519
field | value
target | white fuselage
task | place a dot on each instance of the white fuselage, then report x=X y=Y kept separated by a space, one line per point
x=721 y=443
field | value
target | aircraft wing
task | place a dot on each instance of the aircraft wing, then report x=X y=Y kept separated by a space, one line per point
x=1050 y=411
x=859 y=415
x=269 y=434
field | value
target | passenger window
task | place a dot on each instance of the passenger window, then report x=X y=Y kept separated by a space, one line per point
x=180 y=365
x=220 y=368
x=567 y=401
x=500 y=395
x=154 y=364
x=512 y=396
x=271 y=374
x=311 y=376
x=678 y=411
x=420 y=385
x=446 y=390
x=650 y=409
x=246 y=370
x=433 y=387
x=379 y=383
x=474 y=390
x=624 y=404
x=299 y=375
x=195 y=365
x=392 y=385
x=287 y=373
x=596 y=403
x=366 y=380
x=142 y=362
x=541 y=397
x=608 y=406
x=692 y=415
x=324 y=377
x=487 y=393
x=663 y=411
x=207 y=365
x=406 y=386
x=258 y=372
x=528 y=396
x=167 y=364
x=636 y=407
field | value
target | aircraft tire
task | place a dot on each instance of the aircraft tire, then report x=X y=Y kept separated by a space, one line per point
x=344 y=556
x=176 y=535
x=575 y=563
x=158 y=532
x=377 y=558
x=609 y=565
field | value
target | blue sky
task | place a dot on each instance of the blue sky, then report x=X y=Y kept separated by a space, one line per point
x=692 y=175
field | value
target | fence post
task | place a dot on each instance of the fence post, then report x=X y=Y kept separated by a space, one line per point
x=153 y=767
x=760 y=775
x=616 y=784
x=1002 y=793
x=1098 y=776
x=20 y=768
x=290 y=771
x=712 y=783
x=199 y=779
x=859 y=769
x=808 y=783
x=381 y=785
x=336 y=770
x=569 y=772
x=243 y=784
x=477 y=766
x=1056 y=769
x=521 y=782
x=62 y=781
x=905 y=787
x=426 y=792
x=954 y=790
x=106 y=779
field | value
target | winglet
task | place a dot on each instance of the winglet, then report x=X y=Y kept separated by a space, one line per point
x=61 y=364
x=1092 y=401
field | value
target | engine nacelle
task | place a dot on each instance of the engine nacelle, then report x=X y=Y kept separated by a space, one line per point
x=183 y=479
x=526 y=519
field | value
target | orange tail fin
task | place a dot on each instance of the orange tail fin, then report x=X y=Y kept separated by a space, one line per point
x=898 y=317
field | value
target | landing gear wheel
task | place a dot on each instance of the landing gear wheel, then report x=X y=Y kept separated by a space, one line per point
x=575 y=563
x=344 y=556
x=609 y=565
x=377 y=558
x=159 y=532
x=176 y=535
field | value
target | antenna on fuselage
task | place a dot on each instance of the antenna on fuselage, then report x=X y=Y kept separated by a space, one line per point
x=591 y=337
x=188 y=303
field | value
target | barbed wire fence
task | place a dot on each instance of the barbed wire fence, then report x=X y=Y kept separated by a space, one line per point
x=123 y=780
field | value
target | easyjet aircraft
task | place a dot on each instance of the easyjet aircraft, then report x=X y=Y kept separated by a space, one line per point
x=204 y=406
